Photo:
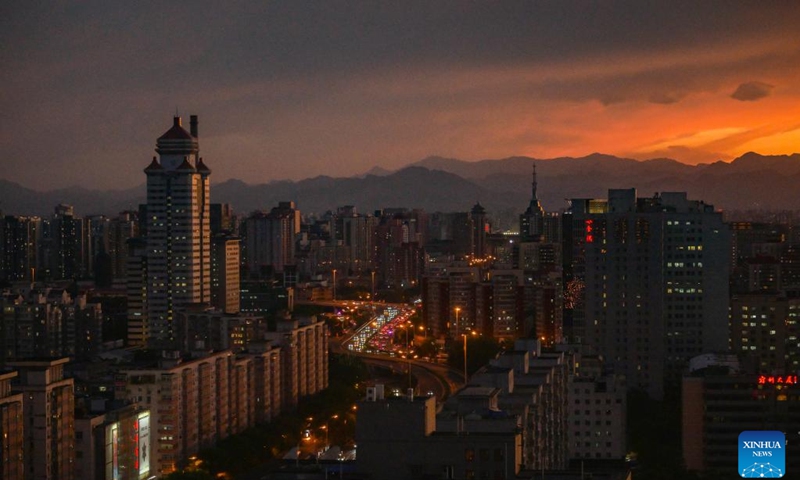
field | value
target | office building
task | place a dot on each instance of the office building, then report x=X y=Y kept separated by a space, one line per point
x=720 y=401
x=531 y=223
x=178 y=231
x=653 y=278
x=225 y=268
x=269 y=243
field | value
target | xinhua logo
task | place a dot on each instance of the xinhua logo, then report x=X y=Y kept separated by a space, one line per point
x=762 y=454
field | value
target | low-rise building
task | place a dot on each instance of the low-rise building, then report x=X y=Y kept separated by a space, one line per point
x=114 y=445
x=400 y=438
x=12 y=428
x=597 y=417
x=49 y=414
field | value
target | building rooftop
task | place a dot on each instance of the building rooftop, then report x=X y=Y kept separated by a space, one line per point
x=176 y=132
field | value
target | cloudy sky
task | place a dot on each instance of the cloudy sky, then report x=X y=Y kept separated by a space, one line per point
x=293 y=89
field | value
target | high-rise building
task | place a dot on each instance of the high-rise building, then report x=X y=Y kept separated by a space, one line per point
x=505 y=302
x=72 y=244
x=531 y=223
x=480 y=228
x=225 y=267
x=122 y=228
x=356 y=233
x=304 y=359
x=222 y=218
x=654 y=278
x=136 y=292
x=178 y=230
x=270 y=239
x=18 y=247
x=397 y=249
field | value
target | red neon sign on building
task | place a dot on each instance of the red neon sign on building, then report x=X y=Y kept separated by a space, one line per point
x=777 y=380
x=588 y=227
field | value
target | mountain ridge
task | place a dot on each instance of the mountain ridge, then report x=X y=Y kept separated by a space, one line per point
x=447 y=184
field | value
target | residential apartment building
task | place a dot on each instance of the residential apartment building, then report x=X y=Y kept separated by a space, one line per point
x=49 y=416
x=304 y=358
x=189 y=403
x=596 y=408
x=12 y=430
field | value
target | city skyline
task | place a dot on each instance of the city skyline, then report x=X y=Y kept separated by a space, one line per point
x=292 y=91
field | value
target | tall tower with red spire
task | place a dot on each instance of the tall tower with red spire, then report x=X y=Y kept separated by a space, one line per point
x=178 y=266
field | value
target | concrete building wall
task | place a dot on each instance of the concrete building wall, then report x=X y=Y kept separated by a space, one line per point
x=596 y=409
x=49 y=411
x=12 y=430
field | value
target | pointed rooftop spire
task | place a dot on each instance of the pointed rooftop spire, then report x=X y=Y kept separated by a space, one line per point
x=533 y=184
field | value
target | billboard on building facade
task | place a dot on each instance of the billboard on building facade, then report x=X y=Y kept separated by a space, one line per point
x=143 y=444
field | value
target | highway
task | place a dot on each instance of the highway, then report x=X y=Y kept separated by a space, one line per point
x=372 y=343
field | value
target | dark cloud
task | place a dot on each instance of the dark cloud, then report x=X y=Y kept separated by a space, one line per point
x=752 y=91
x=290 y=88
x=665 y=98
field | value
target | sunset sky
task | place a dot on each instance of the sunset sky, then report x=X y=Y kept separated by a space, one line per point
x=295 y=89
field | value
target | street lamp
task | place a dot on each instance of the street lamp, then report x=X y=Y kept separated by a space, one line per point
x=334 y=284
x=465 y=359
x=465 y=355
x=373 y=286
x=458 y=310
x=325 y=427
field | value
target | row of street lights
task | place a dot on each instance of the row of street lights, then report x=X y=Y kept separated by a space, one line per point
x=333 y=271
x=472 y=332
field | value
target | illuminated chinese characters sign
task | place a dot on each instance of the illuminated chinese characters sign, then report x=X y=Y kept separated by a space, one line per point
x=589 y=229
x=777 y=380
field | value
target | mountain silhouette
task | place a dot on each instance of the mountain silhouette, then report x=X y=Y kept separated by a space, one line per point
x=751 y=181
